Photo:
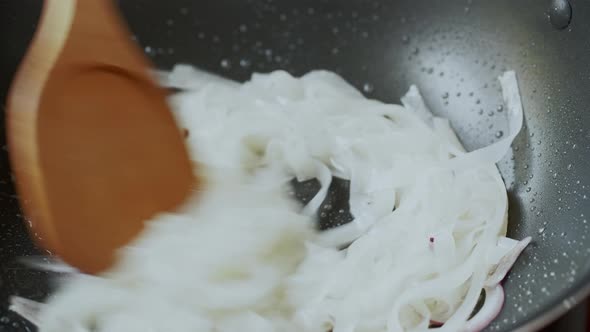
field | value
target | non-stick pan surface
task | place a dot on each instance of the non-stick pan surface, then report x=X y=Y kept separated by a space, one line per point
x=452 y=49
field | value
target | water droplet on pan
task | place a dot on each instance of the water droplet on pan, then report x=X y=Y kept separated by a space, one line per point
x=225 y=64
x=368 y=87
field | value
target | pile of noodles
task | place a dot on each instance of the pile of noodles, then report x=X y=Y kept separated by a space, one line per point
x=428 y=234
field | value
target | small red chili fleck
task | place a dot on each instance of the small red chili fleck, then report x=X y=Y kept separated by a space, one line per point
x=431 y=239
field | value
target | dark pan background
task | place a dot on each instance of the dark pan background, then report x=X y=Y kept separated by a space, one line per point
x=452 y=49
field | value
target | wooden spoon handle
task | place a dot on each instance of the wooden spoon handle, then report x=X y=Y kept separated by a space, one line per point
x=94 y=147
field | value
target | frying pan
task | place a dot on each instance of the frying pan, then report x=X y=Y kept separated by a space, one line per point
x=452 y=49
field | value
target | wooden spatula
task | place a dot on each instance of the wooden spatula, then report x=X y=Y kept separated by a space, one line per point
x=93 y=145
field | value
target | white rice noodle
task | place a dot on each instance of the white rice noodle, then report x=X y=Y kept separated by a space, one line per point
x=28 y=309
x=495 y=152
x=49 y=264
x=505 y=263
x=245 y=258
x=187 y=77
x=491 y=308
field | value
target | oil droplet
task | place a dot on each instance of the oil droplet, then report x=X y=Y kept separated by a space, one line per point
x=560 y=13
x=405 y=39
x=500 y=108
x=368 y=87
x=225 y=64
x=245 y=63
x=569 y=167
x=445 y=95
x=499 y=134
